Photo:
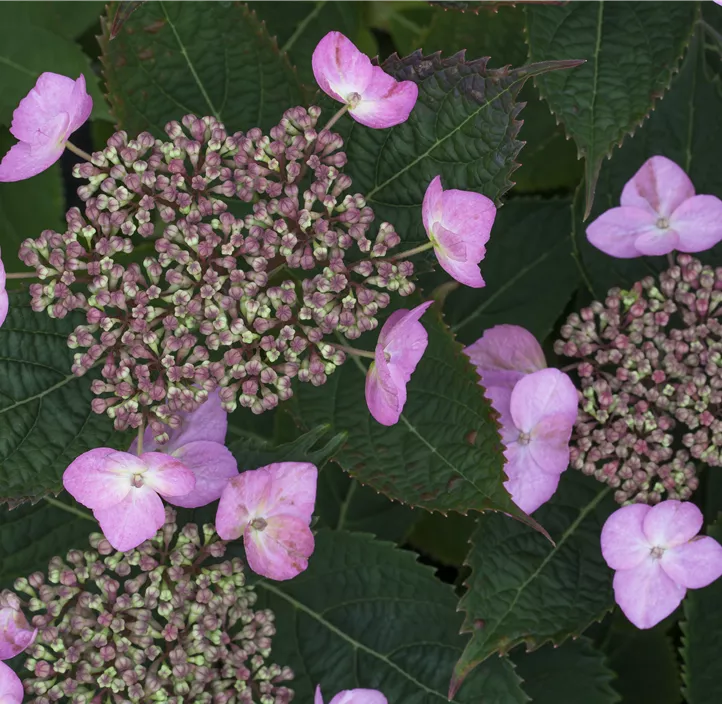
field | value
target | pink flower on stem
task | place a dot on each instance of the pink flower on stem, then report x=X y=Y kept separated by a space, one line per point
x=271 y=508
x=11 y=688
x=4 y=300
x=42 y=124
x=659 y=213
x=375 y=99
x=657 y=558
x=353 y=696
x=124 y=491
x=400 y=346
x=15 y=633
x=199 y=444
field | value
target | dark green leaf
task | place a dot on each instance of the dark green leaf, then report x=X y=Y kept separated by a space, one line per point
x=524 y=589
x=443 y=454
x=68 y=19
x=632 y=50
x=463 y=127
x=575 y=672
x=175 y=58
x=45 y=415
x=683 y=127
x=529 y=272
x=344 y=503
x=445 y=539
x=31 y=45
x=366 y=614
x=702 y=640
x=31 y=535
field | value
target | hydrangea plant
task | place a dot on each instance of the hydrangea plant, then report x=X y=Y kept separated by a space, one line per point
x=352 y=374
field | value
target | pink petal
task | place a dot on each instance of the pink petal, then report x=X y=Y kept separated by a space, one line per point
x=81 y=105
x=3 y=279
x=339 y=67
x=385 y=102
x=505 y=353
x=656 y=242
x=137 y=518
x=239 y=500
x=672 y=523
x=615 y=231
x=393 y=328
x=529 y=487
x=4 y=306
x=500 y=398
x=51 y=95
x=405 y=344
x=451 y=245
x=384 y=400
x=167 y=475
x=101 y=478
x=695 y=564
x=549 y=443
x=15 y=633
x=658 y=187
x=431 y=208
x=542 y=393
x=624 y=545
x=21 y=162
x=470 y=215
x=698 y=221
x=281 y=549
x=292 y=491
x=11 y=688
x=646 y=594
x=212 y=465
x=467 y=273
x=359 y=696
x=318 y=699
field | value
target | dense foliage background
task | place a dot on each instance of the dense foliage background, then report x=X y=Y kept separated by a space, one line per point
x=402 y=542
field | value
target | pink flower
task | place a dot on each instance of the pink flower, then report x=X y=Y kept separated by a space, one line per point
x=42 y=123
x=375 y=99
x=199 y=444
x=659 y=213
x=657 y=558
x=123 y=491
x=4 y=300
x=400 y=346
x=353 y=696
x=504 y=354
x=11 y=688
x=15 y=633
x=458 y=224
x=272 y=508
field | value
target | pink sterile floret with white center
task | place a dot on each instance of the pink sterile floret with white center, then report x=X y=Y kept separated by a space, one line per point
x=271 y=508
x=399 y=349
x=11 y=688
x=199 y=444
x=15 y=633
x=657 y=558
x=659 y=213
x=42 y=124
x=458 y=224
x=375 y=99
x=124 y=491
x=353 y=696
x=4 y=301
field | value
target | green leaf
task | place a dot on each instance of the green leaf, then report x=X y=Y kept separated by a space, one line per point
x=366 y=614
x=632 y=50
x=68 y=19
x=523 y=589
x=175 y=58
x=31 y=45
x=529 y=271
x=342 y=503
x=682 y=128
x=299 y=26
x=645 y=663
x=575 y=672
x=45 y=415
x=27 y=208
x=30 y=535
x=444 y=453
x=445 y=539
x=463 y=127
x=702 y=639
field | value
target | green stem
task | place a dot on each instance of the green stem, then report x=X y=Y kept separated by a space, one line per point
x=336 y=117
x=353 y=351
x=415 y=250
x=69 y=509
x=76 y=150
x=22 y=276
x=141 y=430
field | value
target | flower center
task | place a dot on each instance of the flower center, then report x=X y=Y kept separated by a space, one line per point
x=259 y=523
x=662 y=223
x=657 y=552
x=523 y=438
x=137 y=481
x=353 y=99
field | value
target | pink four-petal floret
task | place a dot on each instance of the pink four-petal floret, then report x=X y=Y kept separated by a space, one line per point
x=271 y=508
x=343 y=72
x=15 y=632
x=353 y=696
x=657 y=558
